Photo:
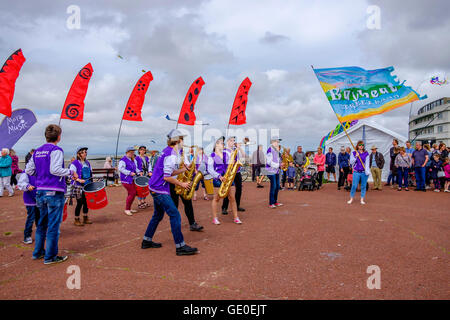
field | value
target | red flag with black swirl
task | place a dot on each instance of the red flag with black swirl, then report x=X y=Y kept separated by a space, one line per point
x=187 y=115
x=8 y=75
x=74 y=105
x=133 y=110
x=237 y=116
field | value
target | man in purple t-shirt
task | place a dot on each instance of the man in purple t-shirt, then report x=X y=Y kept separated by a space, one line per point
x=165 y=171
x=419 y=161
x=47 y=165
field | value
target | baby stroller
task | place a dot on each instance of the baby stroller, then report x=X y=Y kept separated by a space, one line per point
x=308 y=180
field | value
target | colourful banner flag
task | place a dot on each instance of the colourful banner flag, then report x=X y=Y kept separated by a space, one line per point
x=133 y=110
x=339 y=128
x=14 y=127
x=356 y=93
x=74 y=105
x=187 y=115
x=237 y=116
x=8 y=75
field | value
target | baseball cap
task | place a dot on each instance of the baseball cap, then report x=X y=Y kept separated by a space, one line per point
x=130 y=149
x=81 y=148
x=175 y=133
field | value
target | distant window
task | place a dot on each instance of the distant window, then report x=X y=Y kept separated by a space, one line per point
x=440 y=115
x=440 y=129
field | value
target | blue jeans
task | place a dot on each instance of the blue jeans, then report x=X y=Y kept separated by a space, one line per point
x=50 y=205
x=391 y=178
x=274 y=188
x=420 y=177
x=32 y=217
x=403 y=174
x=359 y=177
x=164 y=203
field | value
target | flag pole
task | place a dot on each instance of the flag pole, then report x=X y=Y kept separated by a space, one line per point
x=117 y=146
x=345 y=130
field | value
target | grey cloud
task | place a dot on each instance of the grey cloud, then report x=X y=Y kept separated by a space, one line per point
x=272 y=38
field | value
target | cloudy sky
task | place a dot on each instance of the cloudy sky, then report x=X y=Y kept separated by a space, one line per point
x=274 y=43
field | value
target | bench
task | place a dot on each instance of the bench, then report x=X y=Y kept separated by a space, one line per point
x=105 y=172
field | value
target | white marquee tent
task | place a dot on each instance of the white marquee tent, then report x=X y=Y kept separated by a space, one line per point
x=372 y=134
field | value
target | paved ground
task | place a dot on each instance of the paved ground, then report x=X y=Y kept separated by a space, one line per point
x=314 y=247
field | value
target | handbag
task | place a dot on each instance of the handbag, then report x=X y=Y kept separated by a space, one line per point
x=440 y=174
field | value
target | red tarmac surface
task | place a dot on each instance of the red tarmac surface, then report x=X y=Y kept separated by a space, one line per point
x=316 y=246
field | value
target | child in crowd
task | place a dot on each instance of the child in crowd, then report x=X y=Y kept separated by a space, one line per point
x=446 y=167
x=291 y=175
x=27 y=184
x=435 y=167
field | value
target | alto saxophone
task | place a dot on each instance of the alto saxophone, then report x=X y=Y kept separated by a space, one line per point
x=181 y=177
x=232 y=169
x=189 y=193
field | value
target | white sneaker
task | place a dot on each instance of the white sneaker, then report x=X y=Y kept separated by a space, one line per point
x=437 y=190
x=237 y=221
x=362 y=201
x=350 y=201
x=128 y=213
x=28 y=240
x=133 y=211
x=216 y=221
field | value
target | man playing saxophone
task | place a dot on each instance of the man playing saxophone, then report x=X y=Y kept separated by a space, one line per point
x=176 y=192
x=218 y=169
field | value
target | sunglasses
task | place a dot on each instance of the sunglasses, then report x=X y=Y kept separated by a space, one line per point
x=360 y=145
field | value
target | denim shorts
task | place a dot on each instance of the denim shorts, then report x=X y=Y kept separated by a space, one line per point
x=217 y=183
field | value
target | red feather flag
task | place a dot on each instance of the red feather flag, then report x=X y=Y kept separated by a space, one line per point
x=187 y=115
x=8 y=75
x=134 y=106
x=237 y=116
x=74 y=105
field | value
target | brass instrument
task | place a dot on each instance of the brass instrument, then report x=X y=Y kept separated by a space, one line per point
x=189 y=193
x=229 y=175
x=186 y=176
x=182 y=177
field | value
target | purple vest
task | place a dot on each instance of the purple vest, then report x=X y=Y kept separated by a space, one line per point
x=79 y=166
x=157 y=183
x=220 y=165
x=140 y=163
x=358 y=166
x=275 y=158
x=130 y=166
x=203 y=159
x=44 y=179
x=29 y=197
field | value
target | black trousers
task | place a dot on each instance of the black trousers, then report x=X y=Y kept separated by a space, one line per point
x=81 y=203
x=253 y=172
x=343 y=176
x=188 y=208
x=13 y=181
x=320 y=177
x=238 y=185
x=283 y=178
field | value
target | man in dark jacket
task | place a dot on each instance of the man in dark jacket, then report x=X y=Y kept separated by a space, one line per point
x=330 y=163
x=344 y=167
x=376 y=167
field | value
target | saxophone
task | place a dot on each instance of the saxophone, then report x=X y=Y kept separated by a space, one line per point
x=189 y=193
x=232 y=169
x=182 y=176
